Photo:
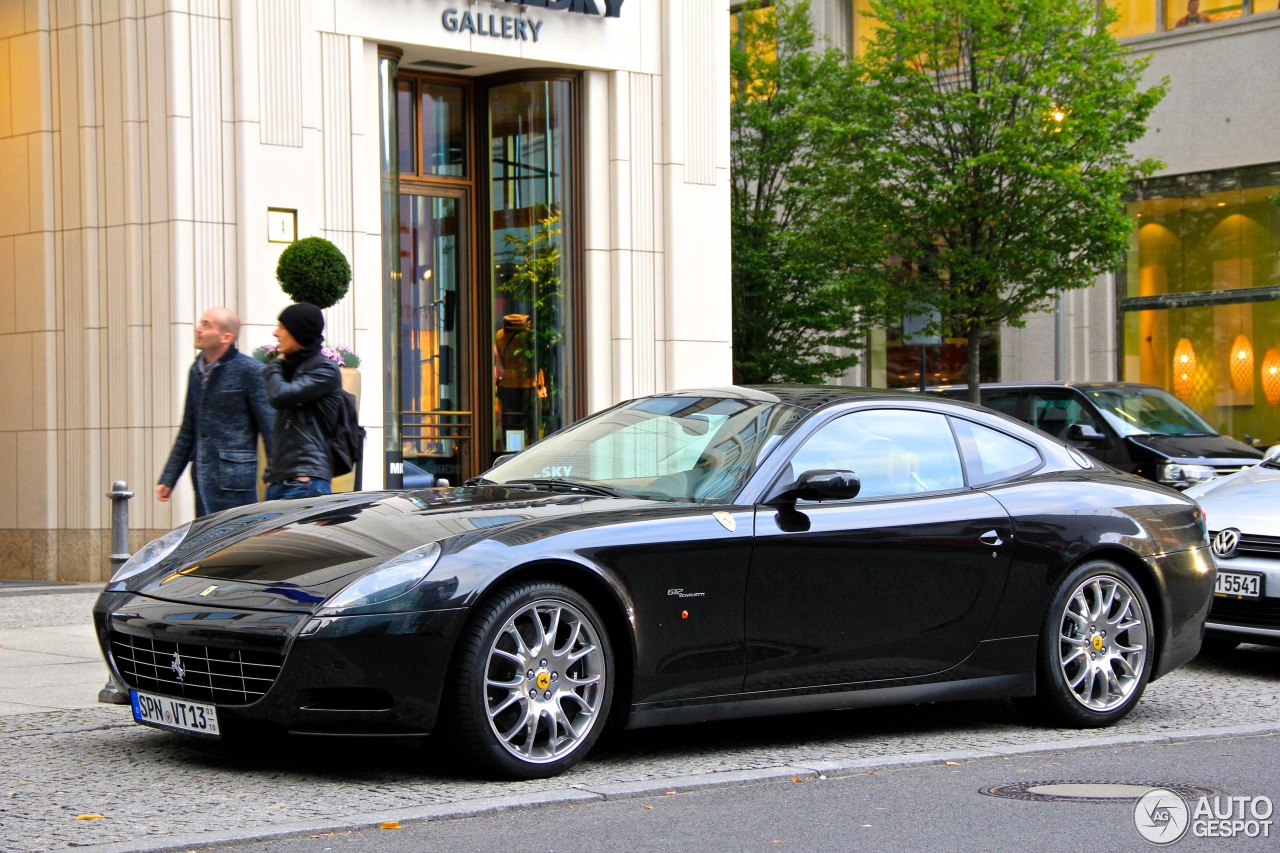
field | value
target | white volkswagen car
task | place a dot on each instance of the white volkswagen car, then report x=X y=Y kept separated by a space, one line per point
x=1244 y=528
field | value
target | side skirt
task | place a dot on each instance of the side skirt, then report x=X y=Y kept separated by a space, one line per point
x=766 y=704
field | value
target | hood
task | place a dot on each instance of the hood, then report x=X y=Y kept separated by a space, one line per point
x=1202 y=449
x=293 y=555
x=1245 y=501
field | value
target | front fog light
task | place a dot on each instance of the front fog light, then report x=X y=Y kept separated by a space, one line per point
x=1177 y=474
x=391 y=579
x=151 y=555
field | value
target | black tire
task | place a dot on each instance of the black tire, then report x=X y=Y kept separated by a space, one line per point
x=548 y=702
x=1096 y=648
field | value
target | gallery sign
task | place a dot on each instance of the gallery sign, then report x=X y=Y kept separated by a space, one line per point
x=517 y=27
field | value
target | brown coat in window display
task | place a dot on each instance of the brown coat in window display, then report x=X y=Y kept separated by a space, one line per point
x=517 y=379
x=1193 y=15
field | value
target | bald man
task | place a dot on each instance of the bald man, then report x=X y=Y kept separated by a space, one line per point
x=225 y=412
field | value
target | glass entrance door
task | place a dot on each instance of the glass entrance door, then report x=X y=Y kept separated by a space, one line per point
x=437 y=422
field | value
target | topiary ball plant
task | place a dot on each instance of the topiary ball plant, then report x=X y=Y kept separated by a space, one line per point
x=314 y=270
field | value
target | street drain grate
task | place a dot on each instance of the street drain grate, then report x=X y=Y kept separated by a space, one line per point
x=1090 y=792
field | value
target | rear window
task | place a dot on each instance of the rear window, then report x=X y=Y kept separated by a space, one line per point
x=991 y=456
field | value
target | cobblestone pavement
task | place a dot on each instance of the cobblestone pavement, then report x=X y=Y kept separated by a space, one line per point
x=152 y=788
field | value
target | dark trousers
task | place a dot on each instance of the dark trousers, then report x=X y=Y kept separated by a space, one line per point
x=296 y=489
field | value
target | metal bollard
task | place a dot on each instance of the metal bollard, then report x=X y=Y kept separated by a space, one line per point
x=113 y=693
x=120 y=496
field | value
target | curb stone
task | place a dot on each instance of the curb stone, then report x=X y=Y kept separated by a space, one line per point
x=652 y=787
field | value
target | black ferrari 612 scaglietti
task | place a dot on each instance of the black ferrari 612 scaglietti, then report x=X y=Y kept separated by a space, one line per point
x=691 y=556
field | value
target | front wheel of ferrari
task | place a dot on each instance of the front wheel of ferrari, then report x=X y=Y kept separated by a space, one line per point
x=1096 y=647
x=533 y=682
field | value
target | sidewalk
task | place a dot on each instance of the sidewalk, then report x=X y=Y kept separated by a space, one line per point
x=49 y=656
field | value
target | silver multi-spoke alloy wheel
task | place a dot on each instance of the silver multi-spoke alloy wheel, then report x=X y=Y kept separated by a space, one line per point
x=1103 y=642
x=545 y=681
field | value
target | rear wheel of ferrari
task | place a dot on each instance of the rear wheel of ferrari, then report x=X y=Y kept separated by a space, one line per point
x=534 y=679
x=1096 y=649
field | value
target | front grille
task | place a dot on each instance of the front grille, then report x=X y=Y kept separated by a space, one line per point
x=1260 y=546
x=1246 y=612
x=191 y=671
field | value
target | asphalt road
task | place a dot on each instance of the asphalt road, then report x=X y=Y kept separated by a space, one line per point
x=91 y=778
x=940 y=806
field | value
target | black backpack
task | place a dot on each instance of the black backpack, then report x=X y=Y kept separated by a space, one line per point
x=346 y=439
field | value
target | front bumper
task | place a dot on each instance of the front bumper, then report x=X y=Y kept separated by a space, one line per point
x=353 y=675
x=1249 y=620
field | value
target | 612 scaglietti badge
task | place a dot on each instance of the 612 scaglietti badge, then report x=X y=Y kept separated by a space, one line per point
x=695 y=555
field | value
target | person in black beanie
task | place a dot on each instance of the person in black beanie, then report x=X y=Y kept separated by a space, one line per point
x=304 y=387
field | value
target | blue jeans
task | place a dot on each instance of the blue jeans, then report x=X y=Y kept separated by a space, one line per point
x=296 y=489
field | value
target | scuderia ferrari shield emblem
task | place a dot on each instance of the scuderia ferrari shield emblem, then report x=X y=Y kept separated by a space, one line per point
x=726 y=520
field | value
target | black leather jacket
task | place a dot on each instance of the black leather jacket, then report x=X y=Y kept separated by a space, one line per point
x=306 y=407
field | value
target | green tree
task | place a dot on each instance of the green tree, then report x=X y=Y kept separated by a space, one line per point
x=797 y=299
x=991 y=150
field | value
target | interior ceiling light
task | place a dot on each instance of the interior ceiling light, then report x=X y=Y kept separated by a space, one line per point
x=1184 y=370
x=1242 y=365
x=1271 y=375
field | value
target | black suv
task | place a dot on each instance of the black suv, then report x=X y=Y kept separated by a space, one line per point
x=1136 y=428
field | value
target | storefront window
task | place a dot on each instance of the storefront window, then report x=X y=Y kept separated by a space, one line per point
x=1199 y=314
x=529 y=197
x=406 y=121
x=898 y=365
x=433 y=398
x=1137 y=18
x=865 y=26
x=1215 y=241
x=444 y=136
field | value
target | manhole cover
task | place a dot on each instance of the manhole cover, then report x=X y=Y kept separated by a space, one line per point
x=1090 y=792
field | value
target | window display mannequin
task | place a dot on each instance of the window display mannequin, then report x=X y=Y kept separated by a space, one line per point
x=518 y=381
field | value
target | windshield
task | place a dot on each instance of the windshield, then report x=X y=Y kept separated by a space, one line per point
x=669 y=448
x=1148 y=411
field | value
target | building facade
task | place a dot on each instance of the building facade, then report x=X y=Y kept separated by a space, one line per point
x=533 y=197
x=1193 y=309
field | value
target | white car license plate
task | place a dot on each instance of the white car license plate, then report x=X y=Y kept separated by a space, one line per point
x=178 y=714
x=1238 y=584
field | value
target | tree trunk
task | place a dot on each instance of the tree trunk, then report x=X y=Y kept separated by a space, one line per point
x=971 y=369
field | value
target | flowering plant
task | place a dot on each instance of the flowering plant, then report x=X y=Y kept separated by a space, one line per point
x=341 y=355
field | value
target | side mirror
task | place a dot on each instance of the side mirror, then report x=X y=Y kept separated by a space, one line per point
x=1084 y=432
x=1272 y=452
x=821 y=485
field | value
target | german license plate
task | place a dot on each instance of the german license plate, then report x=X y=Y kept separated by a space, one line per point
x=1238 y=584
x=177 y=714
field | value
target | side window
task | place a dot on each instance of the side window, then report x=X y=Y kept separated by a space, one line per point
x=1005 y=404
x=893 y=451
x=1053 y=412
x=991 y=456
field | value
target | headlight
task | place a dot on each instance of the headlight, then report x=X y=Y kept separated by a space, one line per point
x=391 y=579
x=152 y=554
x=1181 y=476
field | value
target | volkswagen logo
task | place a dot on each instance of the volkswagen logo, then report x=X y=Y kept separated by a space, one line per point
x=1226 y=543
x=176 y=666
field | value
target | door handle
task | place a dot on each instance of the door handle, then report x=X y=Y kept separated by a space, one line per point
x=991 y=538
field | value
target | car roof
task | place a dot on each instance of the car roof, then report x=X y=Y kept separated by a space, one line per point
x=1018 y=386
x=810 y=397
